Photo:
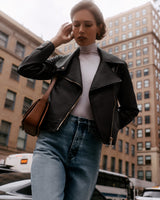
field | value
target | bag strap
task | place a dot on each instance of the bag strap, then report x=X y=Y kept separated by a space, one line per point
x=51 y=85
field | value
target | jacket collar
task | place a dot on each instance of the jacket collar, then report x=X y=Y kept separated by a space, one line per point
x=104 y=76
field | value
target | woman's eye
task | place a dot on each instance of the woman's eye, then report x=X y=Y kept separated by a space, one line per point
x=88 y=25
x=76 y=25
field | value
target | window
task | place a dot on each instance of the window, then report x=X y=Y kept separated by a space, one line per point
x=133 y=133
x=138 y=73
x=127 y=130
x=146 y=72
x=145 y=51
x=127 y=148
x=147 y=119
x=139 y=133
x=10 y=100
x=20 y=49
x=1 y=63
x=137 y=23
x=3 y=39
x=145 y=40
x=133 y=170
x=45 y=86
x=147 y=160
x=120 y=145
x=130 y=45
x=26 y=104
x=146 y=95
x=139 y=107
x=139 y=120
x=146 y=83
x=124 y=47
x=137 y=32
x=139 y=146
x=110 y=50
x=123 y=57
x=113 y=164
x=138 y=42
x=104 y=165
x=140 y=175
x=144 y=12
x=4 y=132
x=148 y=145
x=123 y=36
x=139 y=84
x=133 y=150
x=138 y=63
x=124 y=28
x=140 y=160
x=116 y=23
x=123 y=19
x=147 y=132
x=14 y=75
x=138 y=52
x=130 y=55
x=147 y=106
x=144 y=21
x=130 y=64
x=116 y=30
x=148 y=175
x=21 y=141
x=116 y=39
x=120 y=166
x=144 y=30
x=127 y=168
x=139 y=96
x=31 y=83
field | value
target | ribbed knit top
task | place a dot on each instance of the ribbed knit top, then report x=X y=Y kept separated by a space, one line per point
x=89 y=62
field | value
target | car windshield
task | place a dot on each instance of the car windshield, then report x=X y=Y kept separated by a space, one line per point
x=151 y=193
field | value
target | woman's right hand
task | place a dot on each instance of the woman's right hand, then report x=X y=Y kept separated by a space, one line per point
x=63 y=36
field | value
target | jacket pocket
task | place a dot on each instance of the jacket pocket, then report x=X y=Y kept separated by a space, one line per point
x=116 y=126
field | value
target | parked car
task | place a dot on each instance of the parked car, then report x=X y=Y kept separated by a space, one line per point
x=17 y=185
x=151 y=193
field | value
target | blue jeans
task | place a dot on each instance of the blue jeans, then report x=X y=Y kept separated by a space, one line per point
x=65 y=163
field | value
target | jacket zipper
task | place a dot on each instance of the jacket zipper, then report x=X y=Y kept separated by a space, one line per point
x=111 y=137
x=71 y=107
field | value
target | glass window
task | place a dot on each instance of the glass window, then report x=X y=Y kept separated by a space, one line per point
x=21 y=141
x=14 y=75
x=130 y=34
x=137 y=14
x=31 y=83
x=144 y=30
x=148 y=175
x=139 y=120
x=124 y=28
x=138 y=73
x=140 y=175
x=146 y=83
x=138 y=52
x=26 y=104
x=127 y=148
x=20 y=49
x=130 y=55
x=146 y=72
x=130 y=64
x=139 y=146
x=130 y=45
x=120 y=145
x=147 y=106
x=139 y=84
x=120 y=166
x=104 y=165
x=3 y=39
x=116 y=39
x=146 y=95
x=137 y=32
x=147 y=119
x=140 y=160
x=123 y=57
x=129 y=26
x=144 y=21
x=10 y=100
x=147 y=132
x=137 y=23
x=127 y=168
x=133 y=133
x=127 y=130
x=133 y=150
x=138 y=42
x=144 y=11
x=138 y=63
x=139 y=133
x=116 y=23
x=110 y=50
x=145 y=51
x=113 y=164
x=4 y=132
x=133 y=170
x=147 y=160
x=124 y=47
x=45 y=86
x=145 y=40
x=148 y=145
x=139 y=96
x=1 y=63
x=139 y=107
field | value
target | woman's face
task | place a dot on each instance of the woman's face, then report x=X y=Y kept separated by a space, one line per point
x=84 y=27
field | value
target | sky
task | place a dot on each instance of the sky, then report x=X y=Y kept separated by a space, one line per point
x=44 y=17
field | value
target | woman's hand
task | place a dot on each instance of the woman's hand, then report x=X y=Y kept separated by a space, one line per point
x=64 y=35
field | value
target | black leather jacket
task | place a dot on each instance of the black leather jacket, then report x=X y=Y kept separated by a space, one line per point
x=111 y=94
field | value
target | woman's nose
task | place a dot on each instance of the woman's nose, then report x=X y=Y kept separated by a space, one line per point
x=81 y=28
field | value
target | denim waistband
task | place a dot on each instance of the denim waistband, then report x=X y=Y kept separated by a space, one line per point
x=89 y=123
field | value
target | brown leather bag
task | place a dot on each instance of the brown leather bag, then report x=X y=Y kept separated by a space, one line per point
x=34 y=116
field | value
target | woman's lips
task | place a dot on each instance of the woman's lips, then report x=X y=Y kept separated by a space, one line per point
x=81 y=38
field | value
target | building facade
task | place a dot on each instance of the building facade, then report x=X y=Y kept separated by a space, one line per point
x=16 y=93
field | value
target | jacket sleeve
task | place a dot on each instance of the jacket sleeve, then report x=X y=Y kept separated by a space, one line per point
x=128 y=106
x=37 y=65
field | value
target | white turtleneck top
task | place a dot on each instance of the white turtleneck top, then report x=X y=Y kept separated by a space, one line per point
x=89 y=62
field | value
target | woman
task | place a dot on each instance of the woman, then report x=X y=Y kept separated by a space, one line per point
x=83 y=112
